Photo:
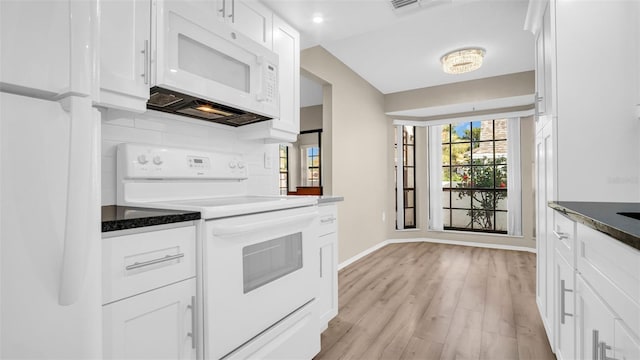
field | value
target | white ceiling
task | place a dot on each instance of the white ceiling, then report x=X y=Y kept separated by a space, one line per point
x=396 y=52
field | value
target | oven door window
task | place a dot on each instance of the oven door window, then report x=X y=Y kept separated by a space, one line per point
x=270 y=260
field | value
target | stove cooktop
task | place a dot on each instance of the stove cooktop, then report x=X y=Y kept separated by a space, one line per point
x=219 y=207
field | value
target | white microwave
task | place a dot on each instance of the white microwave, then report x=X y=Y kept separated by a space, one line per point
x=203 y=68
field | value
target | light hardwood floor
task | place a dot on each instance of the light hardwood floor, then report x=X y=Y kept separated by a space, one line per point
x=436 y=301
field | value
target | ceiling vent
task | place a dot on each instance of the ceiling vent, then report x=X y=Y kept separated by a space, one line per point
x=401 y=7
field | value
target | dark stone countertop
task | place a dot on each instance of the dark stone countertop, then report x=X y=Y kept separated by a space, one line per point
x=602 y=216
x=126 y=217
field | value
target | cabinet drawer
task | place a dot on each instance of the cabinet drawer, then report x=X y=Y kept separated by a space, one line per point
x=135 y=263
x=328 y=219
x=564 y=236
x=614 y=269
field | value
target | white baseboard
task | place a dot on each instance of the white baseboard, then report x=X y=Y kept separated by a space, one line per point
x=368 y=251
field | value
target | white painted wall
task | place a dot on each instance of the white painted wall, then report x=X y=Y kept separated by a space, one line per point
x=170 y=130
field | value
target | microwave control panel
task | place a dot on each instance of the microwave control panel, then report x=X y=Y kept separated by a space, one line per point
x=270 y=82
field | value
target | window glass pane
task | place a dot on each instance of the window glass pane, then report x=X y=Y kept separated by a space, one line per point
x=460 y=199
x=408 y=157
x=446 y=215
x=408 y=134
x=446 y=157
x=445 y=133
x=501 y=200
x=408 y=199
x=483 y=219
x=500 y=128
x=409 y=218
x=446 y=201
x=501 y=151
x=501 y=220
x=460 y=176
x=460 y=154
x=446 y=177
x=482 y=177
x=501 y=176
x=460 y=218
x=408 y=177
x=483 y=200
x=461 y=132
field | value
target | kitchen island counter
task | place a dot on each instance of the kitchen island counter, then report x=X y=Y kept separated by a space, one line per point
x=604 y=217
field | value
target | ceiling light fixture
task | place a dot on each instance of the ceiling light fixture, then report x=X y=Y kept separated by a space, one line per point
x=462 y=61
x=318 y=19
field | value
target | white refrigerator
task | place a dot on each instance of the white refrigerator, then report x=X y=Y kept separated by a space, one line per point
x=50 y=283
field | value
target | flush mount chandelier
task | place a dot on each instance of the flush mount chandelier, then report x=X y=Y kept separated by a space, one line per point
x=462 y=61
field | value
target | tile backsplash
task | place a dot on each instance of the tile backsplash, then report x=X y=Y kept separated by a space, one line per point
x=169 y=130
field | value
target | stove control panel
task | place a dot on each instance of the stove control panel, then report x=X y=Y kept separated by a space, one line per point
x=139 y=161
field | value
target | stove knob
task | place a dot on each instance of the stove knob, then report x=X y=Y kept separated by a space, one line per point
x=142 y=159
x=240 y=165
x=157 y=160
x=232 y=164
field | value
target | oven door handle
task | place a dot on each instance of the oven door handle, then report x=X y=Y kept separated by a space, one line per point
x=229 y=229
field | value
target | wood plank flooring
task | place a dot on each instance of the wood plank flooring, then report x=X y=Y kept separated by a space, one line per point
x=436 y=301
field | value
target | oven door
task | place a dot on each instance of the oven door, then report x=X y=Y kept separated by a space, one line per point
x=200 y=56
x=257 y=269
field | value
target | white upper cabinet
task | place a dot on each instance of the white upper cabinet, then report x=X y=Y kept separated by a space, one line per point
x=286 y=43
x=251 y=18
x=45 y=47
x=125 y=31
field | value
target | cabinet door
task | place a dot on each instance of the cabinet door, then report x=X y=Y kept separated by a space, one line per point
x=155 y=325
x=565 y=330
x=328 y=298
x=540 y=78
x=125 y=31
x=44 y=47
x=626 y=346
x=250 y=18
x=594 y=323
x=549 y=51
x=286 y=43
x=544 y=238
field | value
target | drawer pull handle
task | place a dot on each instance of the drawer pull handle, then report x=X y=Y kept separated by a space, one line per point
x=192 y=334
x=603 y=351
x=560 y=235
x=137 y=265
x=563 y=313
x=328 y=220
x=594 y=344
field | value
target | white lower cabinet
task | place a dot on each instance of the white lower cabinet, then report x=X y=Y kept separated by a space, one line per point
x=158 y=324
x=149 y=293
x=328 y=252
x=625 y=345
x=565 y=326
x=595 y=323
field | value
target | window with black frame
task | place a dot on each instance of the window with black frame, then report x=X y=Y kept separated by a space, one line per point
x=408 y=217
x=474 y=176
x=284 y=169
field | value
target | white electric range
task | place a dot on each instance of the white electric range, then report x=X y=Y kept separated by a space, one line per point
x=257 y=263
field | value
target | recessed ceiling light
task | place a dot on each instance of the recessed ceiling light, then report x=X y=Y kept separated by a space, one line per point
x=318 y=19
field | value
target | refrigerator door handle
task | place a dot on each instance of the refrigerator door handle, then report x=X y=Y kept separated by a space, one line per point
x=82 y=219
